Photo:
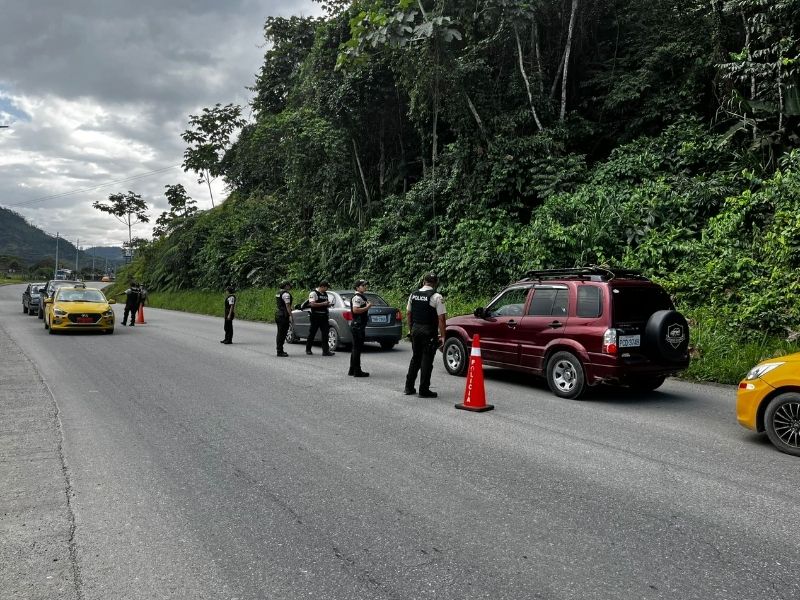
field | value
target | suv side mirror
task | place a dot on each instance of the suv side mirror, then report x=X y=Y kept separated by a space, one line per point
x=479 y=312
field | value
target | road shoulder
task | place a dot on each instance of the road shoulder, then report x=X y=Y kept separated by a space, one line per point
x=36 y=521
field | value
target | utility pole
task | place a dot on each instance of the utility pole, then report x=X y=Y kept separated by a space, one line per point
x=77 y=249
x=55 y=270
x=94 y=249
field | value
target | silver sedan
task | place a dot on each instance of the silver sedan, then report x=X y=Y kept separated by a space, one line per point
x=385 y=324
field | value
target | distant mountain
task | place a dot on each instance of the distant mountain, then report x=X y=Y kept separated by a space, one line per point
x=29 y=244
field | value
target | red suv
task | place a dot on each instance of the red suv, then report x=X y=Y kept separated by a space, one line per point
x=578 y=328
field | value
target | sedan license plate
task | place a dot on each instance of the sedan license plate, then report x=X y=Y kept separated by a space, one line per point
x=379 y=319
x=85 y=320
x=630 y=341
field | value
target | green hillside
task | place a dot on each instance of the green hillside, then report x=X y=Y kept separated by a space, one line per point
x=28 y=245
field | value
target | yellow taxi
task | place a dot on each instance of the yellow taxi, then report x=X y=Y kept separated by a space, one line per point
x=768 y=399
x=78 y=307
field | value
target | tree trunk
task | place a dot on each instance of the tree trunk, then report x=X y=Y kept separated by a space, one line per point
x=565 y=77
x=361 y=172
x=210 y=193
x=535 y=42
x=476 y=116
x=382 y=161
x=525 y=78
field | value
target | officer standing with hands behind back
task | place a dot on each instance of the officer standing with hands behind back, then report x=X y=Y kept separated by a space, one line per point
x=427 y=316
x=319 y=303
x=283 y=315
x=230 y=313
x=359 y=308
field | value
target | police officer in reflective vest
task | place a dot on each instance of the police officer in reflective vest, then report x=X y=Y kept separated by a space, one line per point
x=283 y=315
x=131 y=302
x=359 y=308
x=319 y=303
x=427 y=316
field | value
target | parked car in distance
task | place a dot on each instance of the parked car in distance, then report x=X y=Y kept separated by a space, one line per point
x=105 y=279
x=385 y=324
x=578 y=328
x=49 y=290
x=77 y=307
x=768 y=400
x=30 y=298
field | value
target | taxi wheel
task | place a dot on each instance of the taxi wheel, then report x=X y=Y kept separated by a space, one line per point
x=782 y=422
x=51 y=331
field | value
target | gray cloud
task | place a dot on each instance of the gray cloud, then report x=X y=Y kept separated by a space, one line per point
x=99 y=91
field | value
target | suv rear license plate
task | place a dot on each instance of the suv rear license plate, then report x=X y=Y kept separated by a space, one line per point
x=630 y=341
x=379 y=319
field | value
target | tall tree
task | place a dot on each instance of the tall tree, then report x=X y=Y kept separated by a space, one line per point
x=209 y=137
x=129 y=209
x=180 y=207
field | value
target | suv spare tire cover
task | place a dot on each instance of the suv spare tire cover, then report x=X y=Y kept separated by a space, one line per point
x=667 y=335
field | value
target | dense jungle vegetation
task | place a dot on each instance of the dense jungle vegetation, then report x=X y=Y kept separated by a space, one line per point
x=483 y=138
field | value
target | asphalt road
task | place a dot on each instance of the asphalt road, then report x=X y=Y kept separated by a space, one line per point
x=199 y=470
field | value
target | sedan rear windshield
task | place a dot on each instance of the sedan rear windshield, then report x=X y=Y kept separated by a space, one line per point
x=636 y=304
x=80 y=296
x=374 y=298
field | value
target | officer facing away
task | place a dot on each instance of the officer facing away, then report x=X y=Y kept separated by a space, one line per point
x=131 y=302
x=283 y=315
x=230 y=312
x=359 y=308
x=427 y=316
x=319 y=303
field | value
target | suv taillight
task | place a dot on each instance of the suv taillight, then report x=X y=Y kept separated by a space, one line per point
x=610 y=341
x=347 y=315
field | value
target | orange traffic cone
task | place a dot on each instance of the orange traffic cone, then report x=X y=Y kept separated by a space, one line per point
x=475 y=393
x=140 y=315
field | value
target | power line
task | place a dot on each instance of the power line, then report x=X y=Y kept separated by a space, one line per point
x=89 y=189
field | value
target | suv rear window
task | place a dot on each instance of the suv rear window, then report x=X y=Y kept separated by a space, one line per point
x=589 y=304
x=636 y=304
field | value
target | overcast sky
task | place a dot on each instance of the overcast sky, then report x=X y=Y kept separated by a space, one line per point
x=98 y=91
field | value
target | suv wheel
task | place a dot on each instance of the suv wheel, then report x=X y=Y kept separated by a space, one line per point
x=646 y=384
x=782 y=422
x=291 y=336
x=565 y=375
x=455 y=356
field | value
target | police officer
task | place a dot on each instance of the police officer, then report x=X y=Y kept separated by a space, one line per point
x=131 y=302
x=359 y=308
x=230 y=313
x=319 y=303
x=283 y=315
x=427 y=316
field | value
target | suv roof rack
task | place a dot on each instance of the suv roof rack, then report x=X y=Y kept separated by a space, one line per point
x=592 y=272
